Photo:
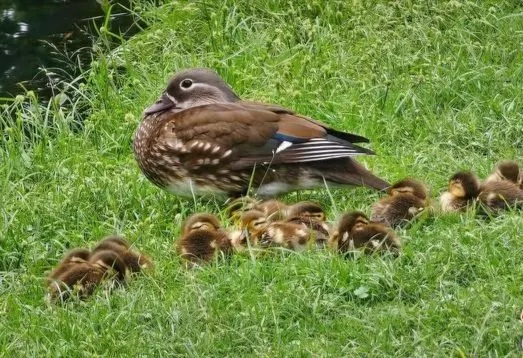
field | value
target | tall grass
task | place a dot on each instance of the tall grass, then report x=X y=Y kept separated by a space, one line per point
x=436 y=86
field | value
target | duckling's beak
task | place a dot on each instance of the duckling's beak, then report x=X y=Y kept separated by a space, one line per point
x=163 y=104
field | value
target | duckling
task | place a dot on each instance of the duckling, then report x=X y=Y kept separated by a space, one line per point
x=273 y=210
x=83 y=277
x=136 y=262
x=252 y=225
x=72 y=258
x=306 y=209
x=285 y=234
x=80 y=279
x=407 y=198
x=355 y=231
x=238 y=206
x=202 y=237
x=506 y=170
x=500 y=195
x=312 y=216
x=111 y=262
x=463 y=191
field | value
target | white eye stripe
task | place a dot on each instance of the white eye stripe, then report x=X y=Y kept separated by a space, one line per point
x=170 y=97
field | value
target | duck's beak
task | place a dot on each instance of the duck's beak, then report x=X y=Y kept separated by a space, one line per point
x=163 y=104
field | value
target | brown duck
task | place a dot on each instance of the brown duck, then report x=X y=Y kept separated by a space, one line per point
x=200 y=138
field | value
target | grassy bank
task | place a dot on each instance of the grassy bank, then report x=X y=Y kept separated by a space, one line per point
x=437 y=88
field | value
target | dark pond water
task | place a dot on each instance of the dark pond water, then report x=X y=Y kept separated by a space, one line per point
x=37 y=34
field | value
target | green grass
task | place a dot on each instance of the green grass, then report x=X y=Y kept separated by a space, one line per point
x=436 y=86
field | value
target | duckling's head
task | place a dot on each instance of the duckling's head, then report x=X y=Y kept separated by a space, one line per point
x=307 y=209
x=353 y=220
x=273 y=209
x=464 y=185
x=111 y=263
x=193 y=87
x=508 y=170
x=77 y=256
x=409 y=186
x=253 y=221
x=202 y=221
x=117 y=240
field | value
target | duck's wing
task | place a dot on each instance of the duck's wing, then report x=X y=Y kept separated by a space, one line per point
x=244 y=135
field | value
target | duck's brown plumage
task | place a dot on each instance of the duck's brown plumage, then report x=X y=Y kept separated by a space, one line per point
x=204 y=139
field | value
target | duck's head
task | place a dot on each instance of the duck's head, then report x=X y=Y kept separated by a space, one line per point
x=193 y=87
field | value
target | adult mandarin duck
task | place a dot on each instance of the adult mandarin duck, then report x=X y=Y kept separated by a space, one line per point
x=201 y=138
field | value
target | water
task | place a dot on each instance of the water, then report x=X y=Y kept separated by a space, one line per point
x=36 y=34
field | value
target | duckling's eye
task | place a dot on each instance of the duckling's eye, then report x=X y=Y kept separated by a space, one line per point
x=186 y=83
x=199 y=226
x=259 y=223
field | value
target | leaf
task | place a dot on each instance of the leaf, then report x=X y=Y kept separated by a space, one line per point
x=362 y=292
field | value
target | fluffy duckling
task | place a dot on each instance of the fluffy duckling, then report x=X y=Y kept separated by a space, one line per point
x=238 y=206
x=306 y=209
x=356 y=232
x=463 y=191
x=252 y=225
x=202 y=238
x=72 y=258
x=289 y=235
x=111 y=262
x=500 y=195
x=312 y=216
x=273 y=210
x=407 y=198
x=506 y=170
x=133 y=260
x=82 y=278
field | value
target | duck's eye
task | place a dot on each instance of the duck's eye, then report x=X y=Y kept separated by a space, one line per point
x=186 y=83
